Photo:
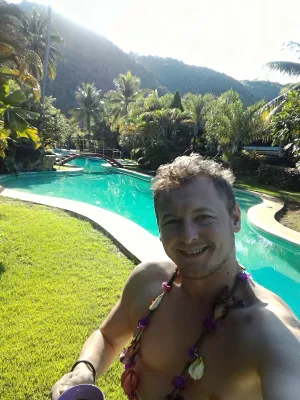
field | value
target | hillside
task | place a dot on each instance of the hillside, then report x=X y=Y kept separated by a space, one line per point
x=90 y=57
x=175 y=75
x=263 y=89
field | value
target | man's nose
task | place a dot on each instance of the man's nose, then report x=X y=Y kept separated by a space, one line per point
x=189 y=232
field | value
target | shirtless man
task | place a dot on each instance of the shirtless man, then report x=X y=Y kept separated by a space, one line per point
x=253 y=353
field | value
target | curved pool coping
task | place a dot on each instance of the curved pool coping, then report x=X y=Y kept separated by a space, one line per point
x=262 y=217
x=136 y=241
x=133 y=240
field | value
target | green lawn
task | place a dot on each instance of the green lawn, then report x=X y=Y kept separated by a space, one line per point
x=59 y=277
x=248 y=183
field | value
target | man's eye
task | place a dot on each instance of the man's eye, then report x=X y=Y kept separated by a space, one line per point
x=204 y=217
x=171 y=222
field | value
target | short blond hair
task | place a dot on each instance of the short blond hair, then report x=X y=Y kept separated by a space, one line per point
x=182 y=169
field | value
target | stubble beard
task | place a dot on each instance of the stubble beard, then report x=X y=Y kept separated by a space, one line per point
x=213 y=268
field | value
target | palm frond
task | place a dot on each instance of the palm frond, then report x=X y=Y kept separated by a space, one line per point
x=56 y=39
x=272 y=107
x=33 y=58
x=42 y=23
x=286 y=67
x=6 y=51
x=12 y=10
x=56 y=54
x=294 y=46
x=52 y=69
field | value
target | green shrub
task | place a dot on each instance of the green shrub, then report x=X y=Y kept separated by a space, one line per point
x=246 y=162
x=284 y=178
x=279 y=161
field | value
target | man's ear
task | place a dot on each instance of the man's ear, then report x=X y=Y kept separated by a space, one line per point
x=236 y=218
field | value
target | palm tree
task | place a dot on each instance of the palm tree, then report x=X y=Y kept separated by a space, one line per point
x=12 y=25
x=37 y=33
x=90 y=105
x=291 y=68
x=194 y=105
x=287 y=67
x=153 y=101
x=127 y=92
x=231 y=125
x=15 y=58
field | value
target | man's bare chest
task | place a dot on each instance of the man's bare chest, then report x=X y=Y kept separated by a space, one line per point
x=165 y=347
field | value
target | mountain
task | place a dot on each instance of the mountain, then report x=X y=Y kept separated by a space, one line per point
x=176 y=75
x=265 y=90
x=90 y=57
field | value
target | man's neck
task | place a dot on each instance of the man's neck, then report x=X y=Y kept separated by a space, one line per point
x=206 y=290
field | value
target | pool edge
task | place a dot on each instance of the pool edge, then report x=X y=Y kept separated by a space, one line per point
x=262 y=216
x=132 y=239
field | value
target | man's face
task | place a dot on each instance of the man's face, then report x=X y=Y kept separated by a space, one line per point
x=196 y=229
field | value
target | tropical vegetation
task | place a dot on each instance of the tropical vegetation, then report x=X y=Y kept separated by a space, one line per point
x=151 y=126
x=283 y=111
x=287 y=67
x=37 y=39
x=90 y=106
x=26 y=125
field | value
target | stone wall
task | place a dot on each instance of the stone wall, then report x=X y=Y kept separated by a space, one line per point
x=47 y=163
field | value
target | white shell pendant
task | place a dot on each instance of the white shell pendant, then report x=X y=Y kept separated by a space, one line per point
x=156 y=302
x=196 y=370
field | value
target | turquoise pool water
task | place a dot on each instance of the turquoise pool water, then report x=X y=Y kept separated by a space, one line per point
x=275 y=266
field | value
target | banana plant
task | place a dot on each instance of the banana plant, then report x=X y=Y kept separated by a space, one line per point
x=3 y=139
x=14 y=119
x=23 y=77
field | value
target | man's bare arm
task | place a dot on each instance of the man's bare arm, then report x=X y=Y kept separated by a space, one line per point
x=279 y=361
x=107 y=342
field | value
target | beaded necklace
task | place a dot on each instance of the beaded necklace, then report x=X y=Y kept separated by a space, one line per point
x=194 y=367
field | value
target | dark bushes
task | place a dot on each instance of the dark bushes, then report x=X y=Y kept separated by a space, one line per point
x=268 y=170
x=284 y=178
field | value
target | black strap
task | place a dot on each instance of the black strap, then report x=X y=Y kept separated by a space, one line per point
x=89 y=364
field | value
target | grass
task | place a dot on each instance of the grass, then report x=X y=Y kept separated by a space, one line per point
x=248 y=183
x=59 y=278
x=290 y=216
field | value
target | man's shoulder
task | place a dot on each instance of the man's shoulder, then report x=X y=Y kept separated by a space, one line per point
x=269 y=321
x=144 y=284
x=270 y=310
x=150 y=273
x=153 y=270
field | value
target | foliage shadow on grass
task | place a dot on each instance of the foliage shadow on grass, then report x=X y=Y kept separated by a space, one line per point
x=2 y=269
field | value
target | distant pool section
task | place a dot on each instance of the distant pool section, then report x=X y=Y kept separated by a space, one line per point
x=274 y=264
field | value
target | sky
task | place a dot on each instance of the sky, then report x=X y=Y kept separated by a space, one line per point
x=237 y=37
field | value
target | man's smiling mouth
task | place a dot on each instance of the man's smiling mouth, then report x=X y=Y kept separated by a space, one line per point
x=194 y=252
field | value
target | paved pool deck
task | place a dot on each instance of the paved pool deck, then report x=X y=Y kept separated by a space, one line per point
x=135 y=241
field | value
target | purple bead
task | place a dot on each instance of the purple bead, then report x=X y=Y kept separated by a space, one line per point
x=143 y=323
x=244 y=276
x=129 y=366
x=209 y=324
x=179 y=382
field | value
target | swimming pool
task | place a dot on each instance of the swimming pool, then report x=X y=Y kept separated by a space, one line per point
x=275 y=266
